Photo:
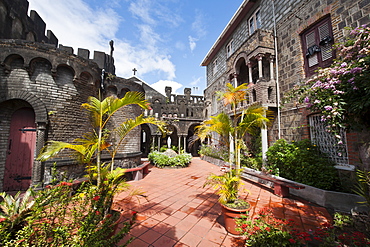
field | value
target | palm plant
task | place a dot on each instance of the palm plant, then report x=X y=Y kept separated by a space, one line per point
x=89 y=148
x=231 y=131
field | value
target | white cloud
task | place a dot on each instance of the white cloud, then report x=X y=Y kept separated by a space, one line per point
x=198 y=25
x=141 y=10
x=192 y=43
x=77 y=25
x=162 y=84
x=196 y=81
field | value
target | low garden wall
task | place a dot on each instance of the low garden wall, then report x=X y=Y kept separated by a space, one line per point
x=338 y=201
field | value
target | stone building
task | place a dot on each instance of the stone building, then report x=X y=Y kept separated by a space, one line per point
x=248 y=51
x=42 y=87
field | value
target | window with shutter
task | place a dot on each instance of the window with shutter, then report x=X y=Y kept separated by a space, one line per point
x=317 y=44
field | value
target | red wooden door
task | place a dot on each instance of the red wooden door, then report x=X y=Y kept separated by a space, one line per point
x=21 y=148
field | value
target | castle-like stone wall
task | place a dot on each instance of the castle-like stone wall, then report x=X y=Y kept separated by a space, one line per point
x=37 y=76
x=16 y=24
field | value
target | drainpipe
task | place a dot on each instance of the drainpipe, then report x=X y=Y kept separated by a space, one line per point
x=277 y=72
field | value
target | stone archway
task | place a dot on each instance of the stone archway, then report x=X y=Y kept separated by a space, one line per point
x=9 y=105
x=146 y=140
x=193 y=146
x=171 y=140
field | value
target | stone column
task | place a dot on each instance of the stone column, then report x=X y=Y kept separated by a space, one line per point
x=271 y=67
x=235 y=79
x=250 y=72
x=260 y=67
x=159 y=142
x=38 y=166
x=179 y=143
x=264 y=143
x=153 y=142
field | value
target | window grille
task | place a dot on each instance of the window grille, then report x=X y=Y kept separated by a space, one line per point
x=327 y=143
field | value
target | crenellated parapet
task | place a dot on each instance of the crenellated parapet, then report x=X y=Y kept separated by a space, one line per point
x=26 y=55
x=16 y=24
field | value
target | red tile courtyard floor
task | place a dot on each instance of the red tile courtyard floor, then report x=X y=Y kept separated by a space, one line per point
x=178 y=211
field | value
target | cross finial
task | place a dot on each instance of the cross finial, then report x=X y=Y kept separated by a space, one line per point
x=134 y=69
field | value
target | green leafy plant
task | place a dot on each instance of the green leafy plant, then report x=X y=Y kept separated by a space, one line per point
x=266 y=230
x=63 y=217
x=341 y=92
x=89 y=148
x=162 y=160
x=14 y=211
x=227 y=186
x=215 y=151
x=230 y=131
x=302 y=162
x=363 y=185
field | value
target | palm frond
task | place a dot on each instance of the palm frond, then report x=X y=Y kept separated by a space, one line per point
x=52 y=148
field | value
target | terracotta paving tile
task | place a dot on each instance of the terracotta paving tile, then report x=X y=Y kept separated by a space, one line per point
x=185 y=225
x=162 y=228
x=138 y=243
x=205 y=223
x=231 y=241
x=182 y=213
x=186 y=209
x=217 y=227
x=172 y=220
x=150 y=236
x=137 y=230
x=178 y=244
x=175 y=233
x=179 y=214
x=191 y=239
x=207 y=243
x=160 y=216
x=199 y=230
x=150 y=222
x=164 y=241
x=215 y=237
x=192 y=218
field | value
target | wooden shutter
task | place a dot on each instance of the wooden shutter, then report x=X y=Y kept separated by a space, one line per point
x=313 y=37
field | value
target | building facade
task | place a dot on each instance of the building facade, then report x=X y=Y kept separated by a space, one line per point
x=42 y=87
x=275 y=45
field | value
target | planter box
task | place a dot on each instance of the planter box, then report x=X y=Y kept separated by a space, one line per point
x=337 y=201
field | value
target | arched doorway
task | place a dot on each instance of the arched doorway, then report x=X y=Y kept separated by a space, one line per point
x=146 y=140
x=193 y=146
x=20 y=150
x=171 y=139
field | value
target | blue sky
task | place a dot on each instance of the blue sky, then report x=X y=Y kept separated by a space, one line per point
x=165 y=40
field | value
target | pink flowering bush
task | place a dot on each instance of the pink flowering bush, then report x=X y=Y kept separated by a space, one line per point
x=341 y=92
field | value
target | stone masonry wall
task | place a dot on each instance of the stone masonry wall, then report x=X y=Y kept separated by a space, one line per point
x=291 y=64
x=36 y=75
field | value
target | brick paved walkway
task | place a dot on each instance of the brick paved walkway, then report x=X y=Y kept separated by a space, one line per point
x=180 y=212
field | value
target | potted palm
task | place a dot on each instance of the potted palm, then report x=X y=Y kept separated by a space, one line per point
x=230 y=130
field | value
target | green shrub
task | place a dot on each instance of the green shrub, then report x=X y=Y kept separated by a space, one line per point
x=302 y=162
x=60 y=216
x=218 y=152
x=162 y=160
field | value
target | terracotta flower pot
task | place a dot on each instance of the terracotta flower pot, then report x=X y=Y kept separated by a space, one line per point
x=230 y=215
